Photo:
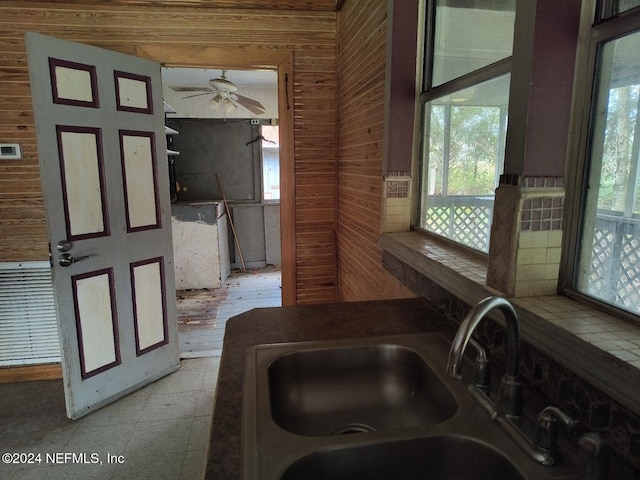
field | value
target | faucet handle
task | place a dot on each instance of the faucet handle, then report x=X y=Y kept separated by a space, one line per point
x=594 y=455
x=547 y=427
x=481 y=368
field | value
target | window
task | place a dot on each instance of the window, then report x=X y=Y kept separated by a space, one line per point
x=619 y=6
x=608 y=257
x=270 y=163
x=464 y=116
x=469 y=35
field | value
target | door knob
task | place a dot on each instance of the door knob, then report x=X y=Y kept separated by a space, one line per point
x=64 y=245
x=66 y=259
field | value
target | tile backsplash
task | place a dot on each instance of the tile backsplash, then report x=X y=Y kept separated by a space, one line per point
x=542 y=213
x=397 y=203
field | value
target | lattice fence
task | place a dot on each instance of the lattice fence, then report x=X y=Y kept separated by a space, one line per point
x=464 y=219
x=614 y=274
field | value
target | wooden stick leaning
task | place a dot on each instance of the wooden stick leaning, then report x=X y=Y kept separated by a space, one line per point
x=235 y=235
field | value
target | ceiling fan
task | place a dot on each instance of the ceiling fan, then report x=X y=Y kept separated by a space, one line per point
x=225 y=96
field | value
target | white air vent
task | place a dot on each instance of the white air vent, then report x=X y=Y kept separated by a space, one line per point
x=28 y=329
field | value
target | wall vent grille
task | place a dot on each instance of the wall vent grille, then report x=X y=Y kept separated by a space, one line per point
x=28 y=327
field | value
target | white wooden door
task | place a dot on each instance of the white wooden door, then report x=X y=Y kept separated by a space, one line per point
x=100 y=131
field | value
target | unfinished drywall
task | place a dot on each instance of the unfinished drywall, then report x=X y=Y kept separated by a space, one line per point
x=201 y=252
x=211 y=146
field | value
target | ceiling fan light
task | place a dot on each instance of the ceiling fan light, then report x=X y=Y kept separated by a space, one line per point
x=229 y=106
x=214 y=103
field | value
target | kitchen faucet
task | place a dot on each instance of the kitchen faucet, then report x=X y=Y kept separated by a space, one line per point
x=507 y=414
x=510 y=402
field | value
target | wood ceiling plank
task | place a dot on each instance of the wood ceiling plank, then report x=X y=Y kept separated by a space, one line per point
x=304 y=5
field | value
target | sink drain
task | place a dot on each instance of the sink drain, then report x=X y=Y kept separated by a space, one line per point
x=353 y=428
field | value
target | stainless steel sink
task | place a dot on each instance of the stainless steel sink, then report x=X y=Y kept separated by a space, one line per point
x=340 y=390
x=436 y=458
x=374 y=408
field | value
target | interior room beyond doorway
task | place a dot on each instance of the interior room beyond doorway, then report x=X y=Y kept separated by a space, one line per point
x=224 y=163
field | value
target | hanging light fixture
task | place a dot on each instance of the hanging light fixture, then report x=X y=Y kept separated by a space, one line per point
x=223 y=104
x=214 y=103
x=229 y=106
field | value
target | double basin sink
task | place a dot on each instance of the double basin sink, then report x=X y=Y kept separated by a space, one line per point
x=377 y=408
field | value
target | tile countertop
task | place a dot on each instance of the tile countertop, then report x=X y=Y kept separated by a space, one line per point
x=296 y=324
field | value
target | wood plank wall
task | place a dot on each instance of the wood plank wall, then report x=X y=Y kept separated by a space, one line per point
x=362 y=34
x=310 y=35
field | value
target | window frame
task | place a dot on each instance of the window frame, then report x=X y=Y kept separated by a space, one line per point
x=601 y=30
x=429 y=93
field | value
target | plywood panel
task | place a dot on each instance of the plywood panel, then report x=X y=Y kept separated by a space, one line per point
x=306 y=28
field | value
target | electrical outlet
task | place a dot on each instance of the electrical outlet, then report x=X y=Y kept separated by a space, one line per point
x=255 y=121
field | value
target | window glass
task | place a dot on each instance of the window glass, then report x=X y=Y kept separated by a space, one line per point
x=609 y=260
x=469 y=35
x=270 y=163
x=463 y=156
x=624 y=5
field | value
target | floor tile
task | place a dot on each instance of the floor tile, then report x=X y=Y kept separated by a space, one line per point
x=153 y=466
x=187 y=380
x=200 y=430
x=165 y=406
x=194 y=465
x=159 y=437
x=102 y=440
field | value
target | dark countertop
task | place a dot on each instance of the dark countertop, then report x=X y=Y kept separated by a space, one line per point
x=296 y=324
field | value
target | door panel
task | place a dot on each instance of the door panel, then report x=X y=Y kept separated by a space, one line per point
x=149 y=305
x=100 y=131
x=139 y=178
x=82 y=177
x=96 y=323
x=73 y=83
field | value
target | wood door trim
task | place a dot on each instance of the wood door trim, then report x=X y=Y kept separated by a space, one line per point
x=282 y=61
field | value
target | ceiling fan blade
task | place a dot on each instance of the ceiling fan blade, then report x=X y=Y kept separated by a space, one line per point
x=250 y=104
x=197 y=95
x=177 y=88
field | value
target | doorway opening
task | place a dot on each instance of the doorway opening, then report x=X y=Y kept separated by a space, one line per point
x=222 y=135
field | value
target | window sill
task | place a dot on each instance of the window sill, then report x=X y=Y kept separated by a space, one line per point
x=602 y=349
